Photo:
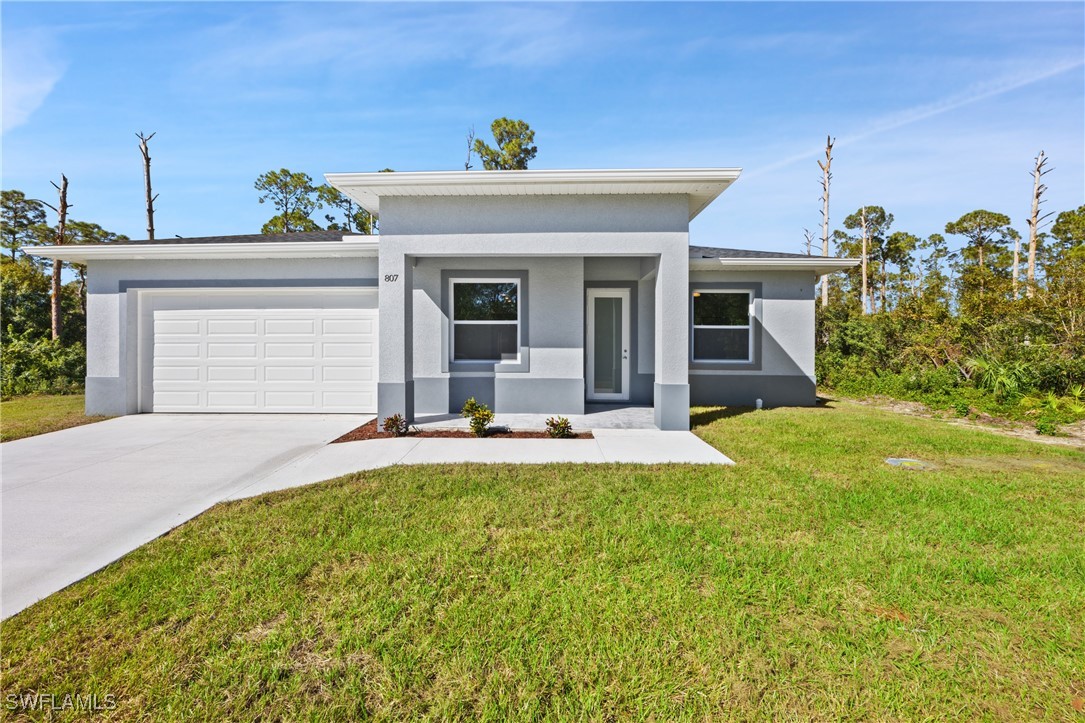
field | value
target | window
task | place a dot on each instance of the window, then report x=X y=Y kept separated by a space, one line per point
x=485 y=320
x=722 y=331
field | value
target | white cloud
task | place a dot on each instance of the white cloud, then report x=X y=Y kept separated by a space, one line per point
x=369 y=39
x=32 y=68
x=974 y=94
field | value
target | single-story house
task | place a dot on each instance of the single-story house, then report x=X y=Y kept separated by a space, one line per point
x=532 y=291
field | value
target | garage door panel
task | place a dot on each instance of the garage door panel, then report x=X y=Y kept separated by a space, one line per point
x=231 y=351
x=289 y=326
x=347 y=374
x=231 y=374
x=348 y=326
x=176 y=326
x=348 y=400
x=279 y=350
x=177 y=373
x=231 y=398
x=177 y=351
x=231 y=327
x=289 y=374
x=260 y=360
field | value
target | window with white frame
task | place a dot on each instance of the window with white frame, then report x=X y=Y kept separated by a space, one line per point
x=722 y=326
x=485 y=320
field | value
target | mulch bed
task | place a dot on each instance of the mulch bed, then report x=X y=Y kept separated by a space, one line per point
x=370 y=430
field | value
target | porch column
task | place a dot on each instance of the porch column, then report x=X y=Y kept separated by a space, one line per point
x=672 y=337
x=395 y=376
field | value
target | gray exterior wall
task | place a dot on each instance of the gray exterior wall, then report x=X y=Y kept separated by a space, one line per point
x=112 y=356
x=782 y=373
x=562 y=243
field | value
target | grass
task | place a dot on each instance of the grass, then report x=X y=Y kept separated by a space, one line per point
x=29 y=416
x=809 y=582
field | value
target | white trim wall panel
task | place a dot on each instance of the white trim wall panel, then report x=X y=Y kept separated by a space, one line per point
x=265 y=360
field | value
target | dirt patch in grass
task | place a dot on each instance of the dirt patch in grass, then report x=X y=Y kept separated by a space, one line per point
x=370 y=430
x=1015 y=464
x=1070 y=435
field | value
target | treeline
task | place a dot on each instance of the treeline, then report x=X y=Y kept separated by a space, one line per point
x=993 y=326
x=44 y=319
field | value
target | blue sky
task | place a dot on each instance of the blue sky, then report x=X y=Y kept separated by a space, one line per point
x=939 y=108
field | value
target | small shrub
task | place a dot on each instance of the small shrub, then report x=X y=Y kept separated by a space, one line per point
x=559 y=427
x=962 y=409
x=1047 y=427
x=395 y=425
x=479 y=415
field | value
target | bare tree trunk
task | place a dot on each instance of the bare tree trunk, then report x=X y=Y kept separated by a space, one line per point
x=145 y=151
x=82 y=271
x=470 y=148
x=826 y=177
x=1016 y=262
x=58 y=265
x=1035 y=219
x=862 y=221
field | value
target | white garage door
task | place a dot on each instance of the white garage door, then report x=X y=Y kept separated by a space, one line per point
x=265 y=360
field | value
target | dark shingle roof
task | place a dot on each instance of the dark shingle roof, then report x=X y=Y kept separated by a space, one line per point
x=711 y=252
x=255 y=238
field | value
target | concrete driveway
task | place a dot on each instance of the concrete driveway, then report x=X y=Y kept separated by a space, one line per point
x=76 y=500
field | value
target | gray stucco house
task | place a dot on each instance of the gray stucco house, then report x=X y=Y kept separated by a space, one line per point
x=532 y=291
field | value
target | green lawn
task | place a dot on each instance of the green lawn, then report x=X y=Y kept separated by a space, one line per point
x=27 y=416
x=809 y=582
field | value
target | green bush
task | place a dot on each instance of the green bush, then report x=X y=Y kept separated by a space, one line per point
x=962 y=409
x=480 y=415
x=559 y=427
x=1047 y=427
x=41 y=366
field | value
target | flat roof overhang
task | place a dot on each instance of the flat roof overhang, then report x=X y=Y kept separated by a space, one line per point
x=701 y=185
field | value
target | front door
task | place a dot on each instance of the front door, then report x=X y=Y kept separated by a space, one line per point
x=608 y=344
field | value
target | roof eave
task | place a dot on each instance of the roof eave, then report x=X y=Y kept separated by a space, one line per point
x=78 y=253
x=820 y=265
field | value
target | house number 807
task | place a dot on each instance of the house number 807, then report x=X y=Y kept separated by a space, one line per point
x=391 y=277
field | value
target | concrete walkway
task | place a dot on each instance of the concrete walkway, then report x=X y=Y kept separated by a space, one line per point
x=78 y=499
x=635 y=446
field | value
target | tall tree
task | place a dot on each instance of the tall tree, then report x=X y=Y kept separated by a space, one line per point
x=826 y=177
x=293 y=195
x=873 y=223
x=23 y=220
x=897 y=250
x=1039 y=170
x=515 y=146
x=987 y=232
x=354 y=219
x=1069 y=228
x=146 y=153
x=932 y=280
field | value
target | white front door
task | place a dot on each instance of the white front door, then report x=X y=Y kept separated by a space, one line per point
x=608 y=344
